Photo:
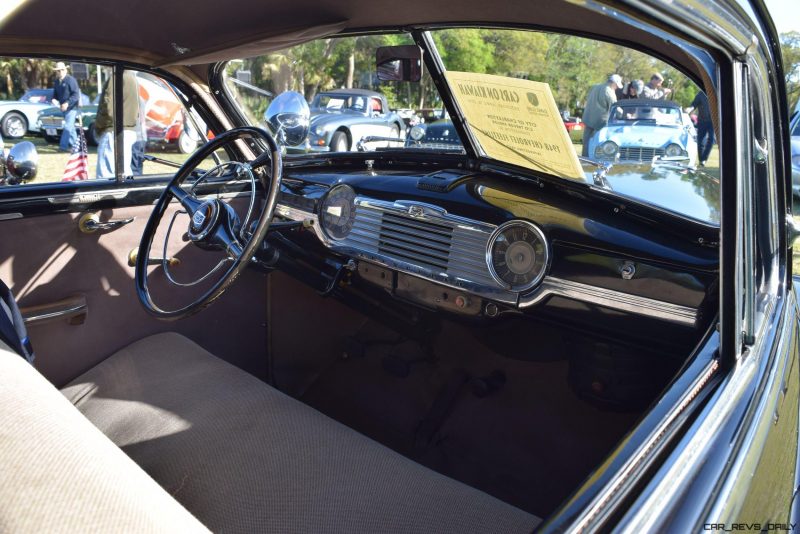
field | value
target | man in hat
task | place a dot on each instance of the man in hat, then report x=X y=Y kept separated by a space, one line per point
x=653 y=88
x=598 y=105
x=66 y=96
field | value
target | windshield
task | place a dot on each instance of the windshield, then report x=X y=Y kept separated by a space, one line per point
x=626 y=115
x=557 y=104
x=568 y=106
x=351 y=109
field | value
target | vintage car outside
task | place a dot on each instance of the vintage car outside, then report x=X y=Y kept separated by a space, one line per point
x=165 y=121
x=440 y=132
x=341 y=118
x=436 y=134
x=500 y=338
x=19 y=117
x=640 y=130
x=50 y=123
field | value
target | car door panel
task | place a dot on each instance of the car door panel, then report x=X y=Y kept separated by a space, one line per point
x=46 y=258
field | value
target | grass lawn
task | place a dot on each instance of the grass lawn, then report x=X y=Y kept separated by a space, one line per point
x=52 y=162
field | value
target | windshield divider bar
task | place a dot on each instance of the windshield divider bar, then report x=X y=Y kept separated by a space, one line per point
x=433 y=62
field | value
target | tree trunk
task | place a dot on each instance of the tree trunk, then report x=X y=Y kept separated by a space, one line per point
x=351 y=67
x=326 y=55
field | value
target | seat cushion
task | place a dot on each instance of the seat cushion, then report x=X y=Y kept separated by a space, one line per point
x=58 y=473
x=244 y=457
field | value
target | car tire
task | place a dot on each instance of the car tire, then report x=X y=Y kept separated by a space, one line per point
x=14 y=125
x=186 y=145
x=339 y=142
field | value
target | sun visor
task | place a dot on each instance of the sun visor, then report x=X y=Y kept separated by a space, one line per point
x=253 y=46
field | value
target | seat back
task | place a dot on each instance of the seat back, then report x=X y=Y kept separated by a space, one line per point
x=59 y=473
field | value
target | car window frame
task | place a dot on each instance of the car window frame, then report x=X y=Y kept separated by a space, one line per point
x=56 y=191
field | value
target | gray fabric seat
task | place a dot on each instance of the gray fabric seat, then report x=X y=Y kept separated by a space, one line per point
x=243 y=457
x=58 y=473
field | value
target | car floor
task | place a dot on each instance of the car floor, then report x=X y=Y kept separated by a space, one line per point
x=510 y=427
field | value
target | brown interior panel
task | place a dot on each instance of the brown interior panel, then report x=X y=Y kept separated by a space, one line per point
x=46 y=259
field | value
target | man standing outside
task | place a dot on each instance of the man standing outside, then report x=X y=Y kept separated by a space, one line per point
x=104 y=126
x=705 y=127
x=66 y=96
x=653 y=88
x=598 y=105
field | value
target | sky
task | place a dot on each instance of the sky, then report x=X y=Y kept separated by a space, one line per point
x=785 y=14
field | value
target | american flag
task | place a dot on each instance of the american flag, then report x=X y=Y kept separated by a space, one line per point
x=78 y=164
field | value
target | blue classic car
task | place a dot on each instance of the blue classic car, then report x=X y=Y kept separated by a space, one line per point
x=639 y=130
x=339 y=119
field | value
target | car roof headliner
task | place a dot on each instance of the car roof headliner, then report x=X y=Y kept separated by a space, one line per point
x=195 y=32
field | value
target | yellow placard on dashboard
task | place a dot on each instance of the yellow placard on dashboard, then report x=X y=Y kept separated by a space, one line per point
x=516 y=121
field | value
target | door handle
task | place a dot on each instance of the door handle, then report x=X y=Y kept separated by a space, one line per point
x=90 y=223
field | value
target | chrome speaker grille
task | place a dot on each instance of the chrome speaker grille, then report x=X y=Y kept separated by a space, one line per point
x=416 y=241
x=431 y=243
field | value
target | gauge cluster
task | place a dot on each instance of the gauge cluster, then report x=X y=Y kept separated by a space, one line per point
x=338 y=212
x=517 y=255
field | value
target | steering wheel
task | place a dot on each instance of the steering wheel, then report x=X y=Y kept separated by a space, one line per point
x=212 y=223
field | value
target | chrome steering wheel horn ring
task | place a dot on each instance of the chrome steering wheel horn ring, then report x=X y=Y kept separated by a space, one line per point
x=217 y=229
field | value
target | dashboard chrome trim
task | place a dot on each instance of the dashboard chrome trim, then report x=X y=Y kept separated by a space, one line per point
x=471 y=233
x=609 y=298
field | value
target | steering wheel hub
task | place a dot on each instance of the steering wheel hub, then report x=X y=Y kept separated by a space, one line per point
x=203 y=220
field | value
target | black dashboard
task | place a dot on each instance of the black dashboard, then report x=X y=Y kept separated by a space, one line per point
x=481 y=245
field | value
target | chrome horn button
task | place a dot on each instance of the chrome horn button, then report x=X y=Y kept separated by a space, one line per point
x=203 y=220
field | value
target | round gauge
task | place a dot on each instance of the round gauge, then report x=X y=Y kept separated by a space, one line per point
x=338 y=212
x=517 y=255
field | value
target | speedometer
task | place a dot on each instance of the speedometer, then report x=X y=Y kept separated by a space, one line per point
x=338 y=212
x=517 y=255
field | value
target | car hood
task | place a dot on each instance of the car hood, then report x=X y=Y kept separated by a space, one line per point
x=441 y=131
x=643 y=136
x=334 y=118
x=21 y=104
x=690 y=192
x=53 y=110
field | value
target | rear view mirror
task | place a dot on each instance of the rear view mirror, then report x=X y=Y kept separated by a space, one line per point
x=399 y=63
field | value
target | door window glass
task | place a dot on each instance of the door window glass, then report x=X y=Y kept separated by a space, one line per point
x=60 y=116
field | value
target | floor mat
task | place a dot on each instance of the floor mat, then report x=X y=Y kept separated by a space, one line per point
x=527 y=440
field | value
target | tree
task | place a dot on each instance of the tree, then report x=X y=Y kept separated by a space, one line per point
x=790 y=50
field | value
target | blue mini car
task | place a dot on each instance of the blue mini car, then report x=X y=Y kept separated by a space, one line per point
x=640 y=130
